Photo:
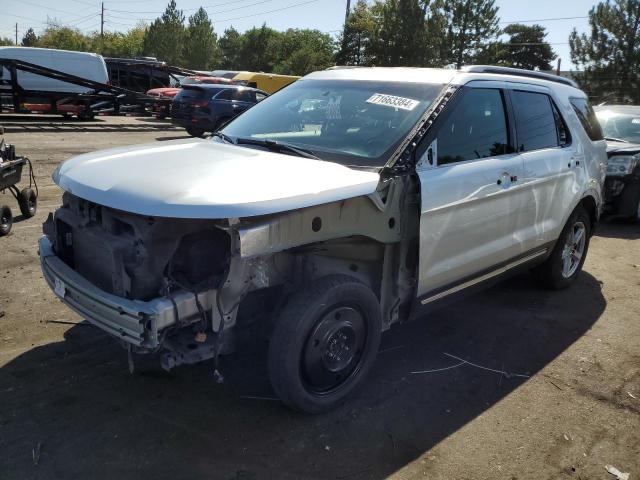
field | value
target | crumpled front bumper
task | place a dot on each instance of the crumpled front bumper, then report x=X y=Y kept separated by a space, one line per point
x=137 y=322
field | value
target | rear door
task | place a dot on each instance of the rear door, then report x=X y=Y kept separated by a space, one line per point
x=468 y=171
x=551 y=179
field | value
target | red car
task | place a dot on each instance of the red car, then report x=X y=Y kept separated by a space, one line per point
x=162 y=110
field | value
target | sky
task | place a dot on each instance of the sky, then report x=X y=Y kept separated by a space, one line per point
x=325 y=15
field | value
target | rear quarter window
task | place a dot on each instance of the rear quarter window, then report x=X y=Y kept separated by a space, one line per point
x=587 y=118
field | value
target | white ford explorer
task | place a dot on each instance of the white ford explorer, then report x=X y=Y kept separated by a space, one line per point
x=352 y=199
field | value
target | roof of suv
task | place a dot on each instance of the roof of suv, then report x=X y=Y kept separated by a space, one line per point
x=444 y=76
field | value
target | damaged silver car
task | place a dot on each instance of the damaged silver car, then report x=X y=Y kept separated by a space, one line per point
x=351 y=200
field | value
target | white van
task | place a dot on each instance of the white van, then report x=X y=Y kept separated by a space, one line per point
x=86 y=65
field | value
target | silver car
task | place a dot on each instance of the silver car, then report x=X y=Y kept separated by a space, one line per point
x=351 y=200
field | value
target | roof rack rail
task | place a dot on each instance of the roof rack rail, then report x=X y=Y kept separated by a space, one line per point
x=519 y=72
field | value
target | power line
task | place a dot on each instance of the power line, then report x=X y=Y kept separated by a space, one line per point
x=156 y=12
x=545 y=19
x=264 y=13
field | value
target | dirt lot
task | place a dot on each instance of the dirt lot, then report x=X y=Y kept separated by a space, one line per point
x=69 y=409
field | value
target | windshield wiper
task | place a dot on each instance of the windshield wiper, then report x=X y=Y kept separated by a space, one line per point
x=223 y=136
x=276 y=147
x=613 y=139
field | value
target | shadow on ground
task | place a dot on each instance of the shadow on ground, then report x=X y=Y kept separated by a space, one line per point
x=619 y=228
x=76 y=405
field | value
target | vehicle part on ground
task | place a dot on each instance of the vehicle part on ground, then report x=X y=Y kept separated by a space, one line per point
x=28 y=201
x=6 y=220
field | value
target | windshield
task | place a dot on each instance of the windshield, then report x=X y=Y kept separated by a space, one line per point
x=622 y=126
x=356 y=123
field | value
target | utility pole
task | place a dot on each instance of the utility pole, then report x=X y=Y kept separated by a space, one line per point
x=346 y=15
x=558 y=68
x=16 y=34
x=102 y=21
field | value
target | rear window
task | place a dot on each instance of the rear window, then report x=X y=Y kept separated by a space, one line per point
x=195 y=93
x=587 y=118
x=535 y=121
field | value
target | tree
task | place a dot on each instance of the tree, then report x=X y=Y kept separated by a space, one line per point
x=610 y=54
x=229 y=45
x=471 y=26
x=355 y=39
x=5 y=41
x=201 y=48
x=259 y=49
x=399 y=36
x=165 y=37
x=303 y=51
x=117 y=44
x=30 y=39
x=527 y=48
x=63 y=38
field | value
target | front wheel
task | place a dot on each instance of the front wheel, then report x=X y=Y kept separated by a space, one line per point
x=567 y=258
x=324 y=343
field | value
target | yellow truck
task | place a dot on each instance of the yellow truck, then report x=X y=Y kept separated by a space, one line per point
x=268 y=82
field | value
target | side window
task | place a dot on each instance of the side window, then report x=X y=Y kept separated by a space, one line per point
x=535 y=121
x=477 y=128
x=245 y=96
x=587 y=118
x=225 y=94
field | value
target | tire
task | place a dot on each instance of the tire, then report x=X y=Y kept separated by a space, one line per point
x=86 y=115
x=311 y=359
x=562 y=267
x=6 y=220
x=28 y=202
x=195 y=132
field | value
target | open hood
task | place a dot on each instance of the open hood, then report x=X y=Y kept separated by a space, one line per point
x=207 y=179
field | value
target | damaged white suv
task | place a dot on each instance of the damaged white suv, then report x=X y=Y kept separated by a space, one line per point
x=351 y=200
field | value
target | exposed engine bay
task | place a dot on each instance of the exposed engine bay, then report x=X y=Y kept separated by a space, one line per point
x=184 y=286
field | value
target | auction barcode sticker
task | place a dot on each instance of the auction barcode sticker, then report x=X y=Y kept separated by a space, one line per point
x=393 y=101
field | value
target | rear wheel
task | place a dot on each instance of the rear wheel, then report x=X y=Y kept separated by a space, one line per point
x=568 y=256
x=28 y=202
x=324 y=343
x=6 y=220
x=195 y=132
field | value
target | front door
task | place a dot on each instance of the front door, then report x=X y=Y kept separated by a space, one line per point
x=469 y=203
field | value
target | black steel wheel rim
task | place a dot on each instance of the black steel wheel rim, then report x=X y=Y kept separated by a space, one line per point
x=333 y=352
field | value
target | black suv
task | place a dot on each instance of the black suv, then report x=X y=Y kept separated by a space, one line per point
x=206 y=107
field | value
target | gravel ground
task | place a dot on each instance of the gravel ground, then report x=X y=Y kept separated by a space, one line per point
x=69 y=409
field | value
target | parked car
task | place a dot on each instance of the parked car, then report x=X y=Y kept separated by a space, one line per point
x=162 y=110
x=621 y=126
x=204 y=108
x=413 y=187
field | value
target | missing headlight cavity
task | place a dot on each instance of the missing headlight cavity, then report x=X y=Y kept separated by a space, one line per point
x=201 y=258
